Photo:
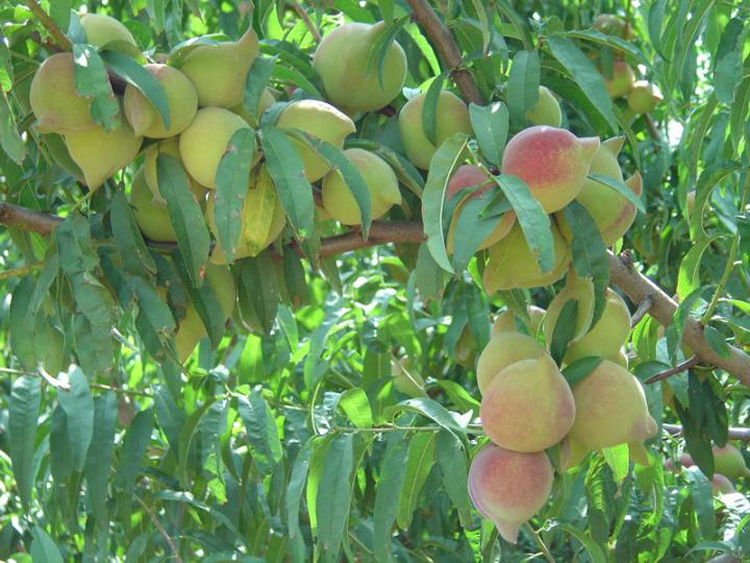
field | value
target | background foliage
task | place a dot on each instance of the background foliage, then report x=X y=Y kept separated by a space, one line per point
x=288 y=440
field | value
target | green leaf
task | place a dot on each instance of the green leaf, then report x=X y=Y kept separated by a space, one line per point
x=255 y=85
x=134 y=447
x=418 y=465
x=387 y=494
x=288 y=173
x=534 y=222
x=79 y=409
x=688 y=279
x=584 y=74
x=22 y=324
x=432 y=410
x=621 y=189
x=717 y=341
x=334 y=496
x=617 y=457
x=151 y=304
x=61 y=457
x=10 y=139
x=43 y=547
x=594 y=551
x=355 y=404
x=91 y=81
x=472 y=228
x=127 y=68
x=381 y=45
x=444 y=161
x=185 y=441
x=185 y=215
x=232 y=177
x=703 y=501
x=59 y=11
x=135 y=256
x=564 y=330
x=451 y=457
x=677 y=327
x=490 y=125
x=262 y=434
x=429 y=108
x=99 y=456
x=25 y=399
x=429 y=277
x=259 y=292
x=523 y=84
x=293 y=502
x=578 y=370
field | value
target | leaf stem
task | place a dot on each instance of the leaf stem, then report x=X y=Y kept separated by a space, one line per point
x=540 y=543
x=49 y=25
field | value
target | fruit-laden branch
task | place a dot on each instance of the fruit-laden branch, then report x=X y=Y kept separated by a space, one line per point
x=447 y=49
x=622 y=274
x=742 y=434
x=49 y=25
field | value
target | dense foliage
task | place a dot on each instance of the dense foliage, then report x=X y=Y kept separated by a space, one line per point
x=330 y=411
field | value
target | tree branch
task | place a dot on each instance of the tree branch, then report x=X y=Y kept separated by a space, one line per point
x=447 y=49
x=49 y=25
x=679 y=368
x=29 y=220
x=742 y=434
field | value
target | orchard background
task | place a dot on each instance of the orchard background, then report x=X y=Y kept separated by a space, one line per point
x=321 y=402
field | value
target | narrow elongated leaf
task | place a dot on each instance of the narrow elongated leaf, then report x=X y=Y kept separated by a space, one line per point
x=523 y=84
x=429 y=108
x=293 y=501
x=134 y=447
x=584 y=74
x=79 y=409
x=262 y=434
x=688 y=279
x=593 y=549
x=334 y=496
x=418 y=465
x=621 y=189
x=451 y=457
x=47 y=276
x=259 y=292
x=25 y=399
x=432 y=410
x=91 y=81
x=429 y=276
x=128 y=238
x=61 y=456
x=355 y=404
x=231 y=188
x=490 y=125
x=10 y=139
x=387 y=494
x=99 y=456
x=185 y=440
x=255 y=85
x=129 y=69
x=185 y=215
x=43 y=547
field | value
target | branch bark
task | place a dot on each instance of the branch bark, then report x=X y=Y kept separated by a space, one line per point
x=742 y=434
x=49 y=25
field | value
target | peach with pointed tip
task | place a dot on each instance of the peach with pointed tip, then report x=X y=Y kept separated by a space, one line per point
x=170 y=147
x=350 y=83
x=152 y=217
x=57 y=105
x=610 y=24
x=579 y=290
x=621 y=81
x=546 y=111
x=266 y=100
x=528 y=406
x=611 y=408
x=729 y=461
x=607 y=337
x=572 y=453
x=101 y=30
x=451 y=117
x=509 y=487
x=502 y=350
x=642 y=97
x=468 y=176
x=552 y=161
x=720 y=485
x=219 y=71
x=638 y=453
x=507 y=321
x=612 y=212
x=182 y=101
x=512 y=264
x=320 y=120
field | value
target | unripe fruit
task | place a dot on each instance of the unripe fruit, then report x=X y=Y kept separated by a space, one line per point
x=720 y=485
x=219 y=71
x=262 y=218
x=465 y=351
x=610 y=408
x=621 y=81
x=100 y=153
x=638 y=453
x=509 y=487
x=612 y=212
x=191 y=329
x=320 y=120
x=468 y=176
x=182 y=100
x=172 y=148
x=528 y=406
x=381 y=182
x=621 y=359
x=341 y=61
x=266 y=100
x=642 y=98
x=502 y=350
x=579 y=290
x=546 y=111
x=553 y=162
x=572 y=453
x=102 y=30
x=607 y=337
x=512 y=265
x=204 y=142
x=451 y=117
x=406 y=379
x=610 y=24
x=508 y=321
x=152 y=218
x=730 y=462
x=56 y=104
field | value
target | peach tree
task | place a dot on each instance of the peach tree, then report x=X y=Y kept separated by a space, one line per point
x=374 y=281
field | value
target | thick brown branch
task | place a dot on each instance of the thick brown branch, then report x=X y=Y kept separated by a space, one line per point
x=447 y=49
x=742 y=434
x=27 y=219
x=49 y=25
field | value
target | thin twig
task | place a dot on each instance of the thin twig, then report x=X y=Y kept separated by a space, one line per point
x=742 y=434
x=161 y=529
x=540 y=543
x=642 y=310
x=17 y=272
x=119 y=390
x=302 y=13
x=679 y=368
x=56 y=383
x=49 y=25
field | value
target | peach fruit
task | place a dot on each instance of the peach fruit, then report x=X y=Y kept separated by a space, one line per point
x=502 y=350
x=546 y=111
